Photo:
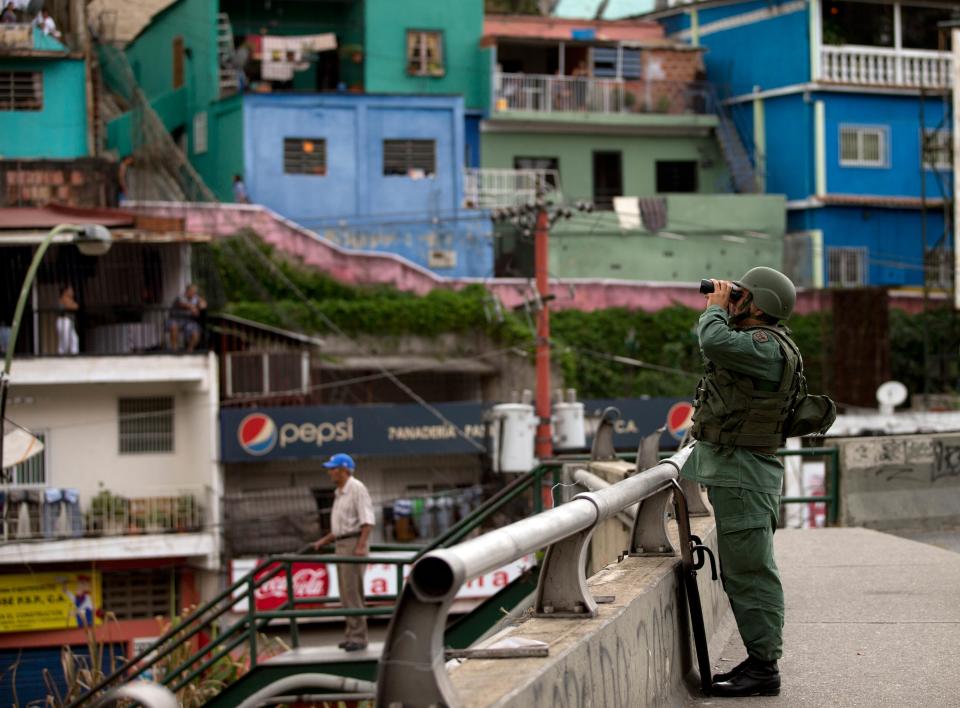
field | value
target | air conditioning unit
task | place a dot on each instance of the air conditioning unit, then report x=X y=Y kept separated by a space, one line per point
x=442 y=259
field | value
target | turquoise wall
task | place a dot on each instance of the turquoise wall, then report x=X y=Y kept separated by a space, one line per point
x=60 y=129
x=224 y=156
x=385 y=48
x=151 y=57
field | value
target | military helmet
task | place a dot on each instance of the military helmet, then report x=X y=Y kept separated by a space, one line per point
x=772 y=291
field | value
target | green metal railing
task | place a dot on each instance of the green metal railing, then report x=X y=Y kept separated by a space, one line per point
x=831 y=482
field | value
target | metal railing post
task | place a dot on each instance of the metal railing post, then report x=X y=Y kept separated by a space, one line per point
x=292 y=602
x=251 y=624
x=833 y=509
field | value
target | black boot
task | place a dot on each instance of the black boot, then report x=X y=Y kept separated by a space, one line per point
x=726 y=676
x=758 y=678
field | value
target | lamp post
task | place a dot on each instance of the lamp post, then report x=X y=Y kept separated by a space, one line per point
x=91 y=240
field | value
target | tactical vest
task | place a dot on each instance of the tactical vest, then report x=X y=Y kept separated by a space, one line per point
x=735 y=410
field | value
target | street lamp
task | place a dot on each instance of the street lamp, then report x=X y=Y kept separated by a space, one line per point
x=91 y=240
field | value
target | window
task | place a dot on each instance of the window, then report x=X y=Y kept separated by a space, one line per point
x=140 y=594
x=21 y=91
x=676 y=176
x=424 y=53
x=34 y=470
x=200 y=133
x=846 y=267
x=552 y=164
x=920 y=27
x=263 y=373
x=305 y=156
x=411 y=158
x=863 y=146
x=178 y=57
x=604 y=60
x=937 y=150
x=145 y=425
x=630 y=64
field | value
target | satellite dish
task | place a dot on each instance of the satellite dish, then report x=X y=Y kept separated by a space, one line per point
x=891 y=394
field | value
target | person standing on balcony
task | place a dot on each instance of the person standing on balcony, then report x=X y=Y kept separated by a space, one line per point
x=351 y=522
x=46 y=24
x=240 y=195
x=9 y=16
x=68 y=342
x=753 y=376
x=188 y=309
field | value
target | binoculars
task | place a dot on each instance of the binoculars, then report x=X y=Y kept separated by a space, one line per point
x=706 y=287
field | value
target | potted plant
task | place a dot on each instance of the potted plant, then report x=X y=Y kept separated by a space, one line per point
x=188 y=517
x=109 y=512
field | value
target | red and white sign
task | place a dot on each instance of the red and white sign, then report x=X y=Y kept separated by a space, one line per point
x=319 y=581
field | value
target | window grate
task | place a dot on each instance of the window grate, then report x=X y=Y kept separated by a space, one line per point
x=425 y=53
x=139 y=594
x=412 y=158
x=145 y=425
x=937 y=149
x=34 y=470
x=846 y=267
x=21 y=91
x=305 y=156
x=863 y=146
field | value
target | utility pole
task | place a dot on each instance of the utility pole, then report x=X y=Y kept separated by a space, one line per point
x=535 y=220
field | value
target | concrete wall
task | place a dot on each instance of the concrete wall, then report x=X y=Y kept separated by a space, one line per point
x=895 y=482
x=574 y=153
x=59 y=130
x=467 y=67
x=80 y=422
x=636 y=652
x=354 y=203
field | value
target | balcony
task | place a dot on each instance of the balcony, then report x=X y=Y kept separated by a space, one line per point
x=878 y=66
x=548 y=94
x=497 y=188
x=58 y=524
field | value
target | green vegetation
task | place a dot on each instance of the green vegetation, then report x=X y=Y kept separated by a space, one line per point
x=665 y=341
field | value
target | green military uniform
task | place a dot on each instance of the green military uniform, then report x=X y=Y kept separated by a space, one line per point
x=743 y=476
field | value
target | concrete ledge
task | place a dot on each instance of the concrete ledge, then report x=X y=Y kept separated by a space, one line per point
x=636 y=652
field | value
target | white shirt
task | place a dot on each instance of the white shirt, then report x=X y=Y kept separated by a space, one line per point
x=352 y=508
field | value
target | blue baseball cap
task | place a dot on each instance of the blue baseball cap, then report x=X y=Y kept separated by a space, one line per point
x=341 y=459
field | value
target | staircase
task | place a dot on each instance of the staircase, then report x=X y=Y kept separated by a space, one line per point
x=229 y=79
x=743 y=174
x=159 y=169
x=194 y=656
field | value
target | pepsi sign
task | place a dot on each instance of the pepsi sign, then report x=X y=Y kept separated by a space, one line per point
x=257 y=434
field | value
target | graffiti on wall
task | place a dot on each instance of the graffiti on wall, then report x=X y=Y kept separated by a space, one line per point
x=922 y=460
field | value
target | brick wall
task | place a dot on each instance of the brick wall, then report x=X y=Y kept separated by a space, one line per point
x=90 y=182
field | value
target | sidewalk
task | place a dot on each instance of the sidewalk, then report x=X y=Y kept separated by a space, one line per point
x=872 y=620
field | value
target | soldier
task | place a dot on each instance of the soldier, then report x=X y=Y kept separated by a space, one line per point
x=753 y=373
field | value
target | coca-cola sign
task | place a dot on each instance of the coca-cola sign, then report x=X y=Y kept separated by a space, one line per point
x=310 y=580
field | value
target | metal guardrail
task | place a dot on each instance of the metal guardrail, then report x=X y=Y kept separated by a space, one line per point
x=412 y=671
x=832 y=481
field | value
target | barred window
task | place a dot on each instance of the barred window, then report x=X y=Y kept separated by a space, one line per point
x=863 y=146
x=146 y=425
x=34 y=470
x=412 y=158
x=305 y=156
x=267 y=373
x=140 y=594
x=424 y=53
x=937 y=149
x=846 y=267
x=21 y=91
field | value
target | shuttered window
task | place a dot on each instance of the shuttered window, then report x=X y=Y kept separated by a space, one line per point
x=140 y=594
x=21 y=91
x=146 y=425
x=305 y=156
x=413 y=158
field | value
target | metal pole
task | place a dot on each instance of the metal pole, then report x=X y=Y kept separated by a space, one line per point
x=544 y=442
x=955 y=34
x=17 y=316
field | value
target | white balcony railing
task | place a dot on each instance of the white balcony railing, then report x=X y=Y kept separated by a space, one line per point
x=541 y=93
x=491 y=188
x=876 y=66
x=41 y=512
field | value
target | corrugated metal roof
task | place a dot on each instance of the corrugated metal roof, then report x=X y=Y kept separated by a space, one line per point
x=122 y=20
x=613 y=10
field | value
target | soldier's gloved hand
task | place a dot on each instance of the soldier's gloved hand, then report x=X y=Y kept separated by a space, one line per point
x=721 y=293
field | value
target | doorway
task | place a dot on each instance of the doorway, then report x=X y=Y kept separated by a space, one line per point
x=607 y=178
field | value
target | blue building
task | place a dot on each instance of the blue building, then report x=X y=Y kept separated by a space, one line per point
x=374 y=172
x=843 y=107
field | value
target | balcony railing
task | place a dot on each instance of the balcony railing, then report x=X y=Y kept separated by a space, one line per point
x=105 y=331
x=533 y=93
x=876 y=66
x=40 y=512
x=491 y=188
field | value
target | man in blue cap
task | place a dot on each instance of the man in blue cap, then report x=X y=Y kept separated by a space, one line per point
x=351 y=522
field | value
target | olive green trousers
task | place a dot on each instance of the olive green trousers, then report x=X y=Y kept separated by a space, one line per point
x=746 y=521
